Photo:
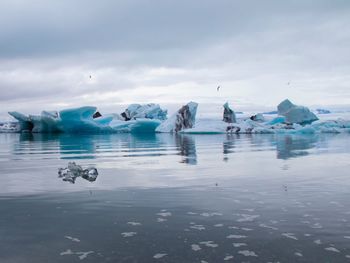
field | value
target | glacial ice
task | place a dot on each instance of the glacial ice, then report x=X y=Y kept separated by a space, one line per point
x=147 y=111
x=296 y=114
x=183 y=119
x=73 y=171
x=229 y=114
x=150 y=118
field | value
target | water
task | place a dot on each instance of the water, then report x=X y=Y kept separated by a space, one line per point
x=165 y=198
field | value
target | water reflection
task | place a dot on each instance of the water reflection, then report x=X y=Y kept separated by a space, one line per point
x=289 y=146
x=186 y=146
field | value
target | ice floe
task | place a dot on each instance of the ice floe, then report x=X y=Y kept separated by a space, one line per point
x=159 y=255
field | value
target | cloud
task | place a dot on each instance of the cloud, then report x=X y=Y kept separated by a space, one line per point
x=170 y=52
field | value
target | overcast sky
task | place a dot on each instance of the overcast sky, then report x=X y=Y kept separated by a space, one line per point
x=170 y=52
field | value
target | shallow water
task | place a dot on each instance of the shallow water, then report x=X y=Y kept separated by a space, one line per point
x=165 y=198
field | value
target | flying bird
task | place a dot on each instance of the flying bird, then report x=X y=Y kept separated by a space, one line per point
x=217 y=89
x=90 y=76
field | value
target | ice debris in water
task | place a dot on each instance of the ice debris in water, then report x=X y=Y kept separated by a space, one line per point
x=247 y=253
x=81 y=255
x=74 y=239
x=73 y=171
x=159 y=255
x=128 y=234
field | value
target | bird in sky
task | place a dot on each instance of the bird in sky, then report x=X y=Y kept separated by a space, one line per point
x=218 y=88
x=90 y=76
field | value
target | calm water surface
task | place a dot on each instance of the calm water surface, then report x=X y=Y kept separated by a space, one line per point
x=165 y=198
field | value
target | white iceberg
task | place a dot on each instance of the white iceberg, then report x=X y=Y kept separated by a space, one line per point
x=229 y=114
x=184 y=119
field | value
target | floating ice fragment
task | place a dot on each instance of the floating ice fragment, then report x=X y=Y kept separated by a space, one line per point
x=159 y=255
x=246 y=229
x=134 y=223
x=228 y=257
x=83 y=255
x=332 y=249
x=270 y=227
x=195 y=247
x=161 y=219
x=67 y=252
x=239 y=244
x=218 y=225
x=164 y=214
x=211 y=214
x=298 y=254
x=128 y=234
x=209 y=244
x=236 y=236
x=247 y=253
x=247 y=218
x=198 y=227
x=191 y=213
x=347 y=237
x=289 y=235
x=74 y=239
x=318 y=242
x=73 y=171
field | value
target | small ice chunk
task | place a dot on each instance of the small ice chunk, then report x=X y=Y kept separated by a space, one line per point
x=74 y=239
x=298 y=254
x=198 y=227
x=247 y=218
x=289 y=235
x=236 y=236
x=318 y=242
x=159 y=219
x=239 y=244
x=247 y=253
x=333 y=249
x=164 y=214
x=83 y=255
x=228 y=257
x=67 y=252
x=218 y=225
x=128 y=234
x=209 y=244
x=195 y=247
x=159 y=255
x=134 y=223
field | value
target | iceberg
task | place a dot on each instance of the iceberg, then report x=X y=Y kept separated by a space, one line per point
x=147 y=111
x=24 y=121
x=150 y=118
x=184 y=119
x=229 y=114
x=296 y=114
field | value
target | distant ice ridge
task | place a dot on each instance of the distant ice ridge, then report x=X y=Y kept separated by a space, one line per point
x=150 y=118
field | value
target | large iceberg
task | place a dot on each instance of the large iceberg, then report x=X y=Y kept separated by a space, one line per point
x=184 y=119
x=86 y=120
x=296 y=114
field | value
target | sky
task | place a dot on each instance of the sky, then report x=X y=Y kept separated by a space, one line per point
x=170 y=52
